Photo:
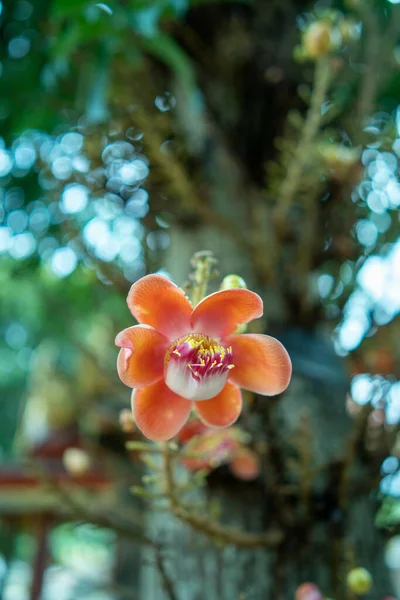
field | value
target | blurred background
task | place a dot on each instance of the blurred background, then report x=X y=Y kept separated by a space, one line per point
x=133 y=134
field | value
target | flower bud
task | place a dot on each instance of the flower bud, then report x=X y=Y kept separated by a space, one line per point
x=308 y=591
x=76 y=461
x=320 y=38
x=359 y=581
x=126 y=420
x=245 y=464
x=233 y=281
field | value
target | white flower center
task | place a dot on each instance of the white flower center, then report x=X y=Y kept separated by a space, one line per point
x=197 y=367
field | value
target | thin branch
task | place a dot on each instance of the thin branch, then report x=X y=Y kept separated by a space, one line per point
x=212 y=529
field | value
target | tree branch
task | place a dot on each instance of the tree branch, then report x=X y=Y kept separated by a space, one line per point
x=212 y=529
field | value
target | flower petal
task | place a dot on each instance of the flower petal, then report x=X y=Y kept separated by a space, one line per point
x=219 y=314
x=262 y=364
x=245 y=464
x=141 y=358
x=192 y=429
x=223 y=409
x=158 y=302
x=158 y=412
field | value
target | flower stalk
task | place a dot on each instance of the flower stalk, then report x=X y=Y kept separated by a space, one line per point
x=204 y=269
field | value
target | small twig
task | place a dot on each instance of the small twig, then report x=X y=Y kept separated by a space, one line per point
x=165 y=578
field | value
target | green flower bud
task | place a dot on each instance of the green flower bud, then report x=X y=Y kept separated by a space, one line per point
x=233 y=281
x=359 y=581
x=320 y=38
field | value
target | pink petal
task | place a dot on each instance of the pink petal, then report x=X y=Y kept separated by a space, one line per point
x=159 y=413
x=141 y=359
x=262 y=364
x=223 y=409
x=156 y=301
x=219 y=314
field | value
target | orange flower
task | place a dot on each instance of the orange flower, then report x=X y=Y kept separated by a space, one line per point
x=181 y=357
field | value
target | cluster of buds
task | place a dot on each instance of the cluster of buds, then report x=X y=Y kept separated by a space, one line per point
x=326 y=35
